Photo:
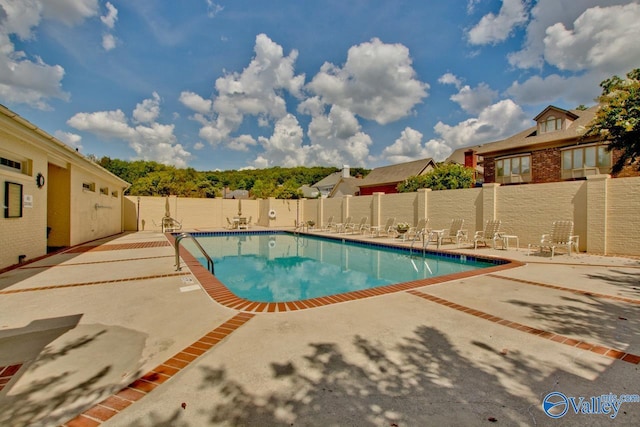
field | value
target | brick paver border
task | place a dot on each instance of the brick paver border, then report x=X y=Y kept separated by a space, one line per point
x=583 y=345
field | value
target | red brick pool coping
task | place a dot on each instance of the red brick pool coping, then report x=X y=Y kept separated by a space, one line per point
x=222 y=295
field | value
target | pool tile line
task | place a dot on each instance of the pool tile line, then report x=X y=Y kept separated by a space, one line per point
x=562 y=288
x=100 y=282
x=222 y=295
x=583 y=345
x=116 y=403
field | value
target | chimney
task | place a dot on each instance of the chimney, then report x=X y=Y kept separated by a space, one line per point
x=346 y=172
x=470 y=159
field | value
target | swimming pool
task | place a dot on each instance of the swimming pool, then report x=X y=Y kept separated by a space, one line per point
x=281 y=267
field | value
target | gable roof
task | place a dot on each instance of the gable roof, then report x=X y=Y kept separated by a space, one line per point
x=329 y=180
x=345 y=186
x=562 y=111
x=529 y=138
x=396 y=173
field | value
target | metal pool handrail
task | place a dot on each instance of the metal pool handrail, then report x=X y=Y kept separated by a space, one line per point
x=210 y=266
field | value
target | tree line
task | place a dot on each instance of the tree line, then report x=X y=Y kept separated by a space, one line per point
x=149 y=178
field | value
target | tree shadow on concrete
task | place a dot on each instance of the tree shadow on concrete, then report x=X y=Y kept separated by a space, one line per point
x=59 y=381
x=627 y=282
x=422 y=380
x=592 y=319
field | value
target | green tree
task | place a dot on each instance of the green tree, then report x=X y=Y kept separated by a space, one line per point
x=445 y=176
x=618 y=119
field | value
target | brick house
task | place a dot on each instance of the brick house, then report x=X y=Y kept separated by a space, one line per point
x=552 y=150
x=385 y=179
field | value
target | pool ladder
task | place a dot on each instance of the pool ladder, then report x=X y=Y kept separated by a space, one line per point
x=198 y=245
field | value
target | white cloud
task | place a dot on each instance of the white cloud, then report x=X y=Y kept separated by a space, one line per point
x=495 y=122
x=108 y=42
x=148 y=110
x=497 y=28
x=213 y=9
x=545 y=14
x=474 y=100
x=151 y=141
x=25 y=79
x=410 y=147
x=69 y=12
x=196 y=102
x=336 y=138
x=576 y=90
x=242 y=143
x=198 y=146
x=377 y=82
x=69 y=138
x=595 y=43
x=111 y=17
x=450 y=79
x=284 y=147
x=257 y=91
x=603 y=38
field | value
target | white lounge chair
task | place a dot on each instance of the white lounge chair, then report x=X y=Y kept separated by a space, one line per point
x=455 y=232
x=383 y=230
x=357 y=228
x=421 y=229
x=340 y=227
x=561 y=236
x=329 y=224
x=491 y=233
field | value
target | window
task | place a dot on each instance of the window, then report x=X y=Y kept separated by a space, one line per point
x=551 y=124
x=114 y=193
x=582 y=161
x=11 y=164
x=104 y=191
x=12 y=200
x=14 y=164
x=88 y=186
x=513 y=169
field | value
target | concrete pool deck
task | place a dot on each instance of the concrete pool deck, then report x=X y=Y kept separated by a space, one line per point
x=109 y=333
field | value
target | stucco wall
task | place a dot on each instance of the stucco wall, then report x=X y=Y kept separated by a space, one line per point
x=443 y=206
x=623 y=213
x=529 y=210
x=604 y=210
x=93 y=214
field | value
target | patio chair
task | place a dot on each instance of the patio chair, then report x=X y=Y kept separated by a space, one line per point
x=561 y=236
x=230 y=225
x=491 y=233
x=357 y=228
x=387 y=229
x=420 y=229
x=455 y=232
x=340 y=227
x=328 y=225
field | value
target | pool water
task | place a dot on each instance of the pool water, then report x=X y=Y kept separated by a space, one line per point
x=285 y=267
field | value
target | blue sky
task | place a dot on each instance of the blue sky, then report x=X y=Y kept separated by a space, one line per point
x=215 y=84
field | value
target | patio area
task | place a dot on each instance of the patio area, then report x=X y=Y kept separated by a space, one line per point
x=108 y=333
